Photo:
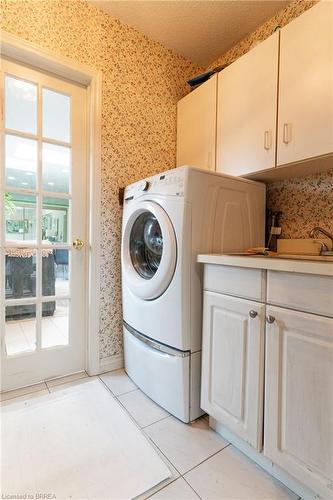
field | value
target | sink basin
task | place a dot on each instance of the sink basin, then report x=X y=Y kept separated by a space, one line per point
x=316 y=258
x=296 y=249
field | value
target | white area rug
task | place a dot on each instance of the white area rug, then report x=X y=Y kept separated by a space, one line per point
x=76 y=443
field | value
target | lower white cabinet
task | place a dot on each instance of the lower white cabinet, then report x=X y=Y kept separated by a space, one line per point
x=233 y=364
x=299 y=396
x=246 y=342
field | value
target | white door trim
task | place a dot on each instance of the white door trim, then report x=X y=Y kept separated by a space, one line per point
x=30 y=54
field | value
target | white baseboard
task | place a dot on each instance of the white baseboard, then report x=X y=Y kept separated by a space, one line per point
x=111 y=363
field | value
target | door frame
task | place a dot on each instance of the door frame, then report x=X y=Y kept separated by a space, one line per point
x=27 y=53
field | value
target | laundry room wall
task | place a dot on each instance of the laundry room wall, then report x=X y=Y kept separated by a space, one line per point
x=142 y=82
x=305 y=201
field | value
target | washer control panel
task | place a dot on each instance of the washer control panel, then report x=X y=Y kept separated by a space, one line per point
x=169 y=183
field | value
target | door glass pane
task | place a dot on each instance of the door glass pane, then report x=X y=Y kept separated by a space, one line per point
x=20 y=213
x=56 y=115
x=56 y=272
x=55 y=323
x=55 y=220
x=56 y=168
x=20 y=105
x=21 y=162
x=146 y=245
x=20 y=273
x=20 y=328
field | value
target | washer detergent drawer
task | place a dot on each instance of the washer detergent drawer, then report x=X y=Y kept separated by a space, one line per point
x=163 y=377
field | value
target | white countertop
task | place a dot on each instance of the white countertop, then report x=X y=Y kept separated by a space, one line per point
x=317 y=265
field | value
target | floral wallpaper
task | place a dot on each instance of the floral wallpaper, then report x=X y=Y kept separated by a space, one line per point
x=142 y=82
x=307 y=201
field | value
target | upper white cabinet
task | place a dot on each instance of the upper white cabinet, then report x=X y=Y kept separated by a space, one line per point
x=233 y=364
x=196 y=127
x=246 y=111
x=305 y=127
x=274 y=106
x=299 y=396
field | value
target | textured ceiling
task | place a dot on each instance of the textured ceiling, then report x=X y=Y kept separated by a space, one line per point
x=200 y=30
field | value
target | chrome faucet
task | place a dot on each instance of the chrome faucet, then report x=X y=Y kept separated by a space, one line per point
x=315 y=232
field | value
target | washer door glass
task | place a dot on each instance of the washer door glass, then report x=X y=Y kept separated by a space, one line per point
x=146 y=245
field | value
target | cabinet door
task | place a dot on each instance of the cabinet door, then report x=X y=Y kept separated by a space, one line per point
x=305 y=126
x=299 y=397
x=232 y=364
x=196 y=127
x=246 y=111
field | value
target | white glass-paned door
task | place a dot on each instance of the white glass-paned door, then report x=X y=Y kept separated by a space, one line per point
x=43 y=211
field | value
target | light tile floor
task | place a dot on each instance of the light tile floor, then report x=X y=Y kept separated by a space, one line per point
x=118 y=382
x=231 y=475
x=186 y=446
x=203 y=464
x=144 y=411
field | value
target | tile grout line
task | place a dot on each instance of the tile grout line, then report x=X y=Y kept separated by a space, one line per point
x=127 y=392
x=153 y=423
x=149 y=425
x=34 y=385
x=108 y=388
x=191 y=487
x=26 y=393
x=64 y=383
x=205 y=460
x=162 y=453
x=189 y=470
x=137 y=389
x=162 y=488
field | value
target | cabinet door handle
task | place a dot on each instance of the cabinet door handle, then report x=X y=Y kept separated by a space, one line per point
x=267 y=140
x=253 y=313
x=270 y=319
x=286 y=133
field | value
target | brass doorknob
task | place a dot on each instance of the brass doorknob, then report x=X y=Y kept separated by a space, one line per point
x=78 y=244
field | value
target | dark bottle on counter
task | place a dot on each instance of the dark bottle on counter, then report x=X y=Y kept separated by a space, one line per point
x=273 y=229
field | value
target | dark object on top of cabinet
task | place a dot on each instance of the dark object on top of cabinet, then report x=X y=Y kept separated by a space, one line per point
x=198 y=80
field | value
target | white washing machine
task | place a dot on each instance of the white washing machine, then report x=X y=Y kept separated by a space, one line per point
x=168 y=220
